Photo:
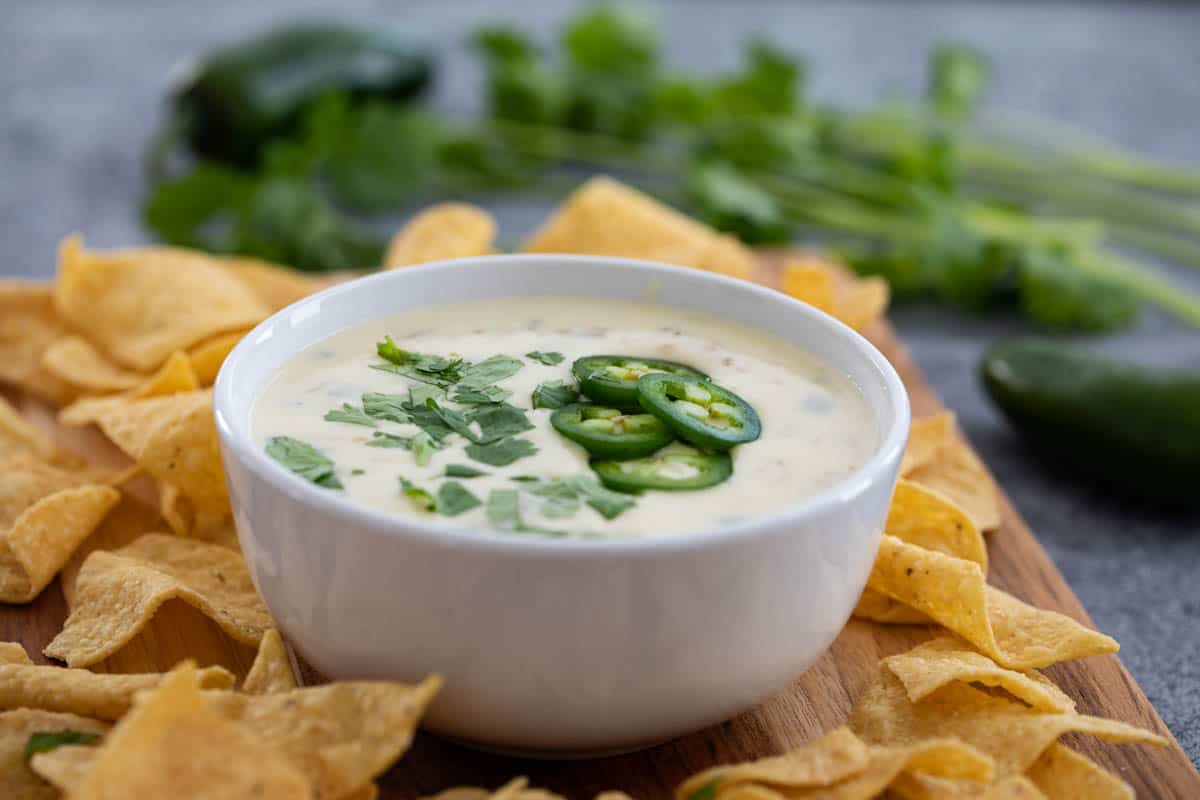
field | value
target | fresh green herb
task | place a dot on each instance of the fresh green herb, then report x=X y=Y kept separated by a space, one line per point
x=463 y=471
x=554 y=394
x=453 y=499
x=351 y=414
x=706 y=792
x=525 y=478
x=305 y=460
x=501 y=453
x=423 y=448
x=417 y=395
x=499 y=420
x=385 y=406
x=454 y=420
x=435 y=370
x=419 y=497
x=356 y=471
x=564 y=495
x=504 y=509
x=549 y=359
x=957 y=77
x=481 y=396
x=45 y=741
x=390 y=440
x=488 y=372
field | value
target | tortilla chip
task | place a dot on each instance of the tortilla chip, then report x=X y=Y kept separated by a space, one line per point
x=64 y=767
x=173 y=377
x=1061 y=772
x=821 y=762
x=79 y=691
x=441 y=232
x=275 y=286
x=927 y=787
x=858 y=302
x=926 y=438
x=952 y=592
x=341 y=736
x=45 y=513
x=607 y=218
x=1011 y=733
x=809 y=280
x=938 y=757
x=882 y=609
x=206 y=359
x=271 y=671
x=174 y=744
x=932 y=665
x=28 y=327
x=19 y=438
x=140 y=305
x=958 y=474
x=128 y=520
x=75 y=361
x=919 y=515
x=116 y=594
x=213 y=524
x=20 y=782
x=862 y=301
x=13 y=653
x=516 y=789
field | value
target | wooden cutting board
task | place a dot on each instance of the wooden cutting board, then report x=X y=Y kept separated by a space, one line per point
x=817 y=701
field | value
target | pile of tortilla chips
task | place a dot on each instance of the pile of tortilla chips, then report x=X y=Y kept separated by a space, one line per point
x=126 y=345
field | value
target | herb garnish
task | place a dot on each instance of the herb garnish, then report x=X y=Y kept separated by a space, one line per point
x=463 y=471
x=554 y=394
x=499 y=420
x=419 y=497
x=45 y=741
x=549 y=359
x=502 y=452
x=483 y=396
x=304 y=460
x=351 y=414
x=453 y=499
x=451 y=419
x=381 y=439
x=489 y=371
x=356 y=471
x=504 y=509
x=385 y=406
x=422 y=445
x=564 y=495
x=436 y=370
x=419 y=394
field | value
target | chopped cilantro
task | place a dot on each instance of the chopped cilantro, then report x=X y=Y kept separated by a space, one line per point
x=304 y=460
x=423 y=448
x=554 y=394
x=381 y=439
x=483 y=396
x=501 y=453
x=45 y=741
x=549 y=359
x=462 y=471
x=454 y=420
x=453 y=499
x=419 y=497
x=499 y=420
x=428 y=420
x=357 y=471
x=385 y=406
x=525 y=478
x=565 y=494
x=435 y=370
x=417 y=395
x=504 y=509
x=489 y=371
x=351 y=414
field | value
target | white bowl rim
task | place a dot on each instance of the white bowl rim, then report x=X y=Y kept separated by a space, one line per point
x=238 y=437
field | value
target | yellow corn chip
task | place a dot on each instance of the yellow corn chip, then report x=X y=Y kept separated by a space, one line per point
x=810 y=281
x=883 y=609
x=28 y=327
x=211 y=524
x=173 y=377
x=74 y=360
x=140 y=305
x=13 y=653
x=926 y=438
x=921 y=516
x=516 y=789
x=958 y=474
x=441 y=232
x=862 y=301
x=64 y=767
x=930 y=666
x=952 y=592
x=604 y=217
x=45 y=513
x=19 y=438
x=828 y=759
x=1011 y=733
x=128 y=520
x=206 y=359
x=173 y=744
x=276 y=287
x=271 y=671
x=827 y=287
x=340 y=735
x=116 y=594
x=1061 y=772
x=80 y=691
x=926 y=787
x=17 y=779
x=938 y=757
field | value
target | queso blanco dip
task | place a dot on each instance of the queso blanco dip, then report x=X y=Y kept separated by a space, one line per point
x=473 y=414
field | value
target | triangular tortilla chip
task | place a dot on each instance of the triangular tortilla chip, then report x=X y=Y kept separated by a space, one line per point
x=271 y=671
x=958 y=474
x=926 y=438
x=207 y=358
x=921 y=516
x=17 y=779
x=173 y=377
x=441 y=232
x=882 y=609
x=19 y=438
x=76 y=361
x=1061 y=772
x=276 y=287
x=28 y=327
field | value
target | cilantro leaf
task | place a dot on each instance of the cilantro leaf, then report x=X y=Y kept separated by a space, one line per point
x=385 y=406
x=501 y=453
x=390 y=440
x=453 y=499
x=419 y=497
x=564 y=496
x=489 y=371
x=612 y=39
x=454 y=420
x=45 y=741
x=436 y=370
x=769 y=83
x=525 y=478
x=305 y=460
x=554 y=394
x=463 y=471
x=417 y=395
x=428 y=420
x=733 y=202
x=504 y=509
x=423 y=448
x=550 y=359
x=499 y=420
x=383 y=156
x=605 y=502
x=483 y=396
x=352 y=414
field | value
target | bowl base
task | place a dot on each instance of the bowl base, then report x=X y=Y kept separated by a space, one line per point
x=538 y=754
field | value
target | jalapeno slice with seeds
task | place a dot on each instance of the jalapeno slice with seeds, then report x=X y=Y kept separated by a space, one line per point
x=698 y=410
x=609 y=432
x=612 y=380
x=676 y=468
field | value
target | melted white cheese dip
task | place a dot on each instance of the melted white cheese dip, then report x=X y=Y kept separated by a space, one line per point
x=816 y=426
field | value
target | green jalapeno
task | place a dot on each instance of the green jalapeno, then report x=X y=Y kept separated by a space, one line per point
x=610 y=433
x=612 y=380
x=699 y=411
x=676 y=468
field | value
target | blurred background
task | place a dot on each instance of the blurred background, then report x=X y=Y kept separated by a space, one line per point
x=992 y=159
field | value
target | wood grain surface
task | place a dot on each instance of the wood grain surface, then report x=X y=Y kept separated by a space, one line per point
x=818 y=700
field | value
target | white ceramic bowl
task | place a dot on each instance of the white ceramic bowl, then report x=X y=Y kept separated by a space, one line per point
x=557 y=646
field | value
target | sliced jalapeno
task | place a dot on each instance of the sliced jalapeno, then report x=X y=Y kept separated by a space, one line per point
x=698 y=410
x=609 y=432
x=677 y=468
x=612 y=380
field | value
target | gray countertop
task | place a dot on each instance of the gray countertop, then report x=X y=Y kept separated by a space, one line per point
x=81 y=85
